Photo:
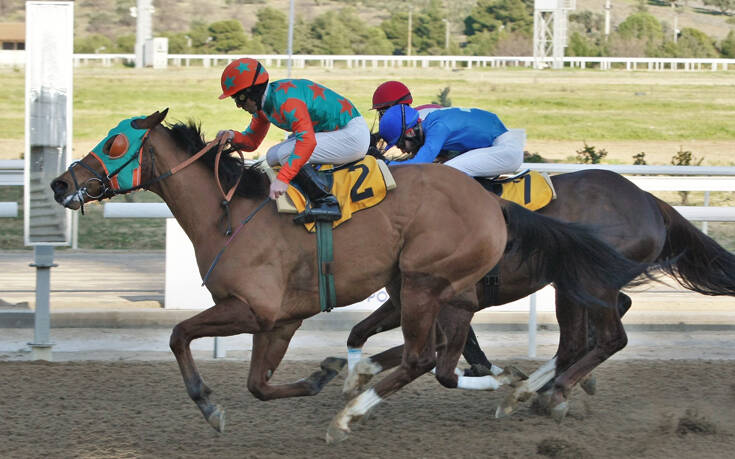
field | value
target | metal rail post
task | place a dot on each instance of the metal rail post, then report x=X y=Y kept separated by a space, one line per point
x=43 y=262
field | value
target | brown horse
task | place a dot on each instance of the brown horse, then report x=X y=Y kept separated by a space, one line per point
x=426 y=242
x=641 y=226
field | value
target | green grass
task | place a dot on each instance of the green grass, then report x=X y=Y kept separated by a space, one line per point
x=563 y=105
x=569 y=105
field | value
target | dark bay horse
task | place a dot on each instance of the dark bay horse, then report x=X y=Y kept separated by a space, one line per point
x=641 y=226
x=425 y=242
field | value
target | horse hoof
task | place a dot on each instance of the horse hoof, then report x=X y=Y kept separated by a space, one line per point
x=589 y=385
x=333 y=364
x=543 y=400
x=515 y=374
x=507 y=407
x=560 y=411
x=335 y=434
x=217 y=419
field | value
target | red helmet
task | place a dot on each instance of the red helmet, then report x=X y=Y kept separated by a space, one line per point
x=391 y=93
x=241 y=74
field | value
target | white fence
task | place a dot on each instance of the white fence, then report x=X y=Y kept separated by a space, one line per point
x=183 y=282
x=17 y=58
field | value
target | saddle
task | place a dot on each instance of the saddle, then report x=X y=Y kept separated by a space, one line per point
x=532 y=190
x=357 y=185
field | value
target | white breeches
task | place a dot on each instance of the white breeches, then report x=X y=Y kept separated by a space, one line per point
x=334 y=147
x=503 y=157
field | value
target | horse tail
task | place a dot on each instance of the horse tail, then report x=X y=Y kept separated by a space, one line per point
x=698 y=262
x=568 y=254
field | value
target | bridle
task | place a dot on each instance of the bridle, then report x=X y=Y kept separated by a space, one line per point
x=108 y=190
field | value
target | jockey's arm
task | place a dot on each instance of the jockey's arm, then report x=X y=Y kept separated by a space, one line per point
x=253 y=136
x=301 y=126
x=434 y=139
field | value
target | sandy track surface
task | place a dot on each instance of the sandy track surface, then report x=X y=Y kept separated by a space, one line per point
x=649 y=408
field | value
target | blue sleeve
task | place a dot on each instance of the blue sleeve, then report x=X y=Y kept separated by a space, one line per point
x=434 y=140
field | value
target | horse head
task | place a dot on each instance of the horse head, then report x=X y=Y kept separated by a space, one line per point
x=114 y=166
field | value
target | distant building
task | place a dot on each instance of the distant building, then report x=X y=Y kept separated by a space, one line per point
x=13 y=35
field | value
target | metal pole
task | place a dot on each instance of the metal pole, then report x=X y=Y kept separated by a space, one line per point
x=290 y=37
x=532 y=327
x=410 y=26
x=607 y=18
x=219 y=348
x=43 y=262
x=705 y=226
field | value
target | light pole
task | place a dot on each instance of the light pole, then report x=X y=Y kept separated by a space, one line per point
x=290 y=36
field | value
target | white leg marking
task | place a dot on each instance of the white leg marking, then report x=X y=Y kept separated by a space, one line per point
x=541 y=376
x=495 y=370
x=364 y=367
x=358 y=406
x=477 y=383
x=354 y=354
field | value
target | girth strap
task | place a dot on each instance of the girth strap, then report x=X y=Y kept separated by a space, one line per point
x=325 y=257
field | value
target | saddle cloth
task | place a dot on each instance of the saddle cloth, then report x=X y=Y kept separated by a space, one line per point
x=356 y=186
x=533 y=190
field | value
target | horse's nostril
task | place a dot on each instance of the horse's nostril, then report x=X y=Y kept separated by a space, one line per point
x=59 y=188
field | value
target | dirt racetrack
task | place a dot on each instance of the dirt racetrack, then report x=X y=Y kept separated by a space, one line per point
x=643 y=408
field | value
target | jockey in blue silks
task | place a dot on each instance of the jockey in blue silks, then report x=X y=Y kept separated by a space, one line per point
x=475 y=141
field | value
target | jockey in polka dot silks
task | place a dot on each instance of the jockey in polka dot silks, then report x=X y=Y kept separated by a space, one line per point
x=325 y=127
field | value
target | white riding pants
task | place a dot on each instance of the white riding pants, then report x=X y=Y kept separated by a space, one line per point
x=503 y=157
x=334 y=147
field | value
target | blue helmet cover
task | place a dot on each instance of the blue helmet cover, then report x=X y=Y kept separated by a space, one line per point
x=395 y=121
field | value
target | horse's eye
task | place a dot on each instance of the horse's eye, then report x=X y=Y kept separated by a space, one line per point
x=117 y=146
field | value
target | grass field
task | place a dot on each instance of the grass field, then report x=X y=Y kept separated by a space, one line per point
x=623 y=112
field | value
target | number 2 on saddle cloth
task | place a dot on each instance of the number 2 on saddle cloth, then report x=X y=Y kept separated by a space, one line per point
x=357 y=185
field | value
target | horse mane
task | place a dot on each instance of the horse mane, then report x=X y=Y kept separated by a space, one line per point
x=189 y=137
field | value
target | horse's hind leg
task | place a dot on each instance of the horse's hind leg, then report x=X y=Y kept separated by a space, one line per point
x=572 y=320
x=268 y=351
x=610 y=337
x=228 y=317
x=386 y=317
x=364 y=370
x=455 y=325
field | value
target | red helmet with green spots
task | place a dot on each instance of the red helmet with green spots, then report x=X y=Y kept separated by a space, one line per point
x=241 y=74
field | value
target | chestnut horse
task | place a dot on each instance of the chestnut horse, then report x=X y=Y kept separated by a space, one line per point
x=638 y=224
x=426 y=242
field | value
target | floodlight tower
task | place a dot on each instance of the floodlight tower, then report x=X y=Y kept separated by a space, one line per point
x=550 y=31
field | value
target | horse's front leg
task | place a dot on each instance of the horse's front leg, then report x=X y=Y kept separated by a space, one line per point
x=268 y=351
x=228 y=317
x=419 y=309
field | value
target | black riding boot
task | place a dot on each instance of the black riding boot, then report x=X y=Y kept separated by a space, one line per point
x=324 y=205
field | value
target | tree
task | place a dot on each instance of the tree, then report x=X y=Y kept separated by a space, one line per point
x=482 y=43
x=199 y=36
x=126 y=43
x=727 y=45
x=92 y=44
x=395 y=29
x=272 y=28
x=227 y=36
x=491 y=15
x=695 y=43
x=580 y=45
x=641 y=26
x=178 y=42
